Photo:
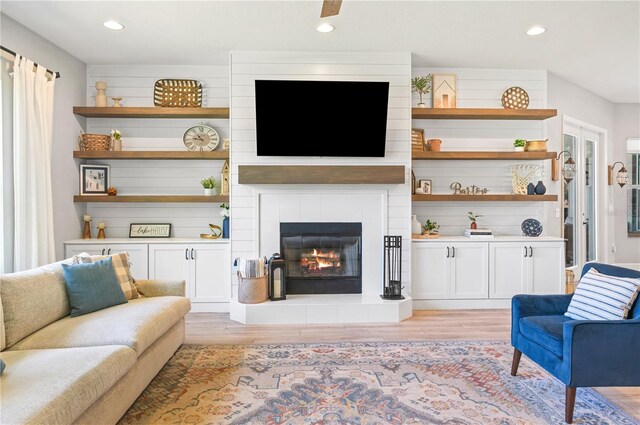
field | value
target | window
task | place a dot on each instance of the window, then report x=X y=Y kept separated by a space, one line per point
x=633 y=190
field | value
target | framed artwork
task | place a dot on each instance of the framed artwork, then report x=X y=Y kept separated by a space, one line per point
x=425 y=185
x=444 y=91
x=150 y=230
x=94 y=179
x=417 y=139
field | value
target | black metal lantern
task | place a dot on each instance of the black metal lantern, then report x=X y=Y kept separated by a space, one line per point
x=392 y=271
x=277 y=280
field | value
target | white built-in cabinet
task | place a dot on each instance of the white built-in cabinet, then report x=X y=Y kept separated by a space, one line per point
x=461 y=269
x=204 y=266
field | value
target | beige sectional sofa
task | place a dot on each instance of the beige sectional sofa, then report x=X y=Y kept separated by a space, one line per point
x=87 y=369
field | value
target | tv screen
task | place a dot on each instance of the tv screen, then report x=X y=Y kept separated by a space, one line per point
x=321 y=118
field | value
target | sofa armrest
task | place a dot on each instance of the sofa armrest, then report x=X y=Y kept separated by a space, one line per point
x=160 y=288
x=535 y=305
x=602 y=352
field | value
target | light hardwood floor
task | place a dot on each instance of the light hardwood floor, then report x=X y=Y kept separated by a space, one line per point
x=217 y=328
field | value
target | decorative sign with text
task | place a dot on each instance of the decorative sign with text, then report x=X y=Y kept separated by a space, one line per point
x=469 y=190
x=150 y=230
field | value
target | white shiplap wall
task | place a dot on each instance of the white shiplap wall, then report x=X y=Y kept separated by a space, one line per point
x=135 y=84
x=246 y=67
x=483 y=88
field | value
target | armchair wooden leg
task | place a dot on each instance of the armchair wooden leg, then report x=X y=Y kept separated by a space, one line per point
x=570 y=401
x=516 y=361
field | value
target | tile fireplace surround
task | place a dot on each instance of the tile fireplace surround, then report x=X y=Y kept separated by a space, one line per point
x=348 y=206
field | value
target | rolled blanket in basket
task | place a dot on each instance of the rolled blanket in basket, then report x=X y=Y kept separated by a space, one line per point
x=252 y=267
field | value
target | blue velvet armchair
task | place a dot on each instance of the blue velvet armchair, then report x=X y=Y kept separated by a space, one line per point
x=580 y=353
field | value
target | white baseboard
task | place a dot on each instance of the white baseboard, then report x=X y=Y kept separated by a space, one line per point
x=209 y=307
x=460 y=304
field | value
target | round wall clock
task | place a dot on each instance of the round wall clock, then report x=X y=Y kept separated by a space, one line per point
x=201 y=137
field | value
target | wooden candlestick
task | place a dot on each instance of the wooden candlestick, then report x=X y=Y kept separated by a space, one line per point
x=86 y=234
x=101 y=234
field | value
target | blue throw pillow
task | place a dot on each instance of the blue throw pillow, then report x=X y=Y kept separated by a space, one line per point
x=92 y=286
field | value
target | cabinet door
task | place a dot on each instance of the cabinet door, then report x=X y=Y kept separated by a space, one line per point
x=469 y=270
x=546 y=274
x=91 y=249
x=170 y=262
x=508 y=269
x=431 y=269
x=138 y=257
x=211 y=273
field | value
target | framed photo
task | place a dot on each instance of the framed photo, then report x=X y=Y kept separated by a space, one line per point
x=425 y=185
x=94 y=179
x=444 y=91
x=417 y=139
x=150 y=230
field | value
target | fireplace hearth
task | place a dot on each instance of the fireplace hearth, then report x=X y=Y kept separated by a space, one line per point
x=322 y=258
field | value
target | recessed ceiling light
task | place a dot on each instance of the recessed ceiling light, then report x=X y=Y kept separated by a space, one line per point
x=536 y=30
x=325 y=27
x=113 y=25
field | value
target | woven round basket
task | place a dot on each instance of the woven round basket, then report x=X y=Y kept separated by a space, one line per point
x=95 y=142
x=252 y=290
x=515 y=98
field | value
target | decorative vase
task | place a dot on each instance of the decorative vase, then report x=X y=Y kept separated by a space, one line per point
x=531 y=189
x=225 y=228
x=116 y=102
x=434 y=145
x=116 y=144
x=518 y=149
x=101 y=97
x=474 y=225
x=416 y=227
x=209 y=192
x=540 y=188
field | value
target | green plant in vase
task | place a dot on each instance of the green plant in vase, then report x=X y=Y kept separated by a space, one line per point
x=422 y=86
x=431 y=228
x=518 y=145
x=209 y=185
x=474 y=219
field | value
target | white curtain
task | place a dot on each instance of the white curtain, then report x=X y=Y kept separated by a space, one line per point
x=32 y=131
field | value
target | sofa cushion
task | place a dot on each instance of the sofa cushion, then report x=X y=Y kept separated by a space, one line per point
x=136 y=324
x=56 y=386
x=33 y=299
x=545 y=331
x=120 y=263
x=92 y=286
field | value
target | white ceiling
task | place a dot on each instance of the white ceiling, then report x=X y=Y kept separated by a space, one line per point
x=593 y=44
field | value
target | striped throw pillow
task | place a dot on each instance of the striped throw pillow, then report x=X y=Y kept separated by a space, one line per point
x=120 y=265
x=603 y=297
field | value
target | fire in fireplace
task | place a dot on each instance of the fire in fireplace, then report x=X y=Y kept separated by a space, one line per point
x=322 y=258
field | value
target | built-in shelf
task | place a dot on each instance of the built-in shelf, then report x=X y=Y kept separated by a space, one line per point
x=150 y=155
x=151 y=198
x=150 y=112
x=486 y=198
x=481 y=114
x=520 y=156
x=321 y=174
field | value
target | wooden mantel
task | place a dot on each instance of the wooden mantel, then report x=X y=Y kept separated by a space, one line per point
x=321 y=174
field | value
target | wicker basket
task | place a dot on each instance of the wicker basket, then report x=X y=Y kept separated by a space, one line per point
x=177 y=93
x=95 y=142
x=252 y=290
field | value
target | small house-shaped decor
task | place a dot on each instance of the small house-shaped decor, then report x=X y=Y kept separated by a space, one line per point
x=444 y=91
x=224 y=179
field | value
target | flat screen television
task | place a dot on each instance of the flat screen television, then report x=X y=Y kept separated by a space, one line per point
x=321 y=118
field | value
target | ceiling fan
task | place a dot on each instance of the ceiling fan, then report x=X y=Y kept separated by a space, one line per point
x=330 y=8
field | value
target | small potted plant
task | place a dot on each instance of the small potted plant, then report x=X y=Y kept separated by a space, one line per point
x=116 y=140
x=518 y=145
x=431 y=229
x=474 y=219
x=209 y=185
x=421 y=85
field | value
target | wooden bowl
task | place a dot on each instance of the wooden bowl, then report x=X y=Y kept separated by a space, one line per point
x=536 y=146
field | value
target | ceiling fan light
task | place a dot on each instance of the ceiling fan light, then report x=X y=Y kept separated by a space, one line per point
x=325 y=27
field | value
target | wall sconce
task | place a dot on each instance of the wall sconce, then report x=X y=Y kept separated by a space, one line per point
x=621 y=178
x=568 y=168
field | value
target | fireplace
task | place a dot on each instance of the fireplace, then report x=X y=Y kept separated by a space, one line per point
x=322 y=258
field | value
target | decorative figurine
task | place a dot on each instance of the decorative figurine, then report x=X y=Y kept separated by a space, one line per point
x=101 y=97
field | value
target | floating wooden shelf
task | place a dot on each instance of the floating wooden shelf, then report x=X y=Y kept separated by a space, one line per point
x=151 y=198
x=150 y=155
x=150 y=112
x=484 y=155
x=482 y=114
x=486 y=198
x=321 y=174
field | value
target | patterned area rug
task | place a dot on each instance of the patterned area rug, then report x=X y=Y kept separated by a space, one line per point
x=445 y=382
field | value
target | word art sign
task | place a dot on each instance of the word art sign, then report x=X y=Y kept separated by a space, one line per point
x=150 y=230
x=469 y=190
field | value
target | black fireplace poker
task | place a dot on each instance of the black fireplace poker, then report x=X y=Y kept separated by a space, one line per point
x=392 y=272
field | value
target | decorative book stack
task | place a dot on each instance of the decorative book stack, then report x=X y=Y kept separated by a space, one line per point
x=478 y=233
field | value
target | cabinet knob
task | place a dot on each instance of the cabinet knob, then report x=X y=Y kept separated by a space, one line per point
x=453 y=252
x=526 y=252
x=447 y=252
x=530 y=251
x=186 y=254
x=109 y=251
x=102 y=251
x=192 y=254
